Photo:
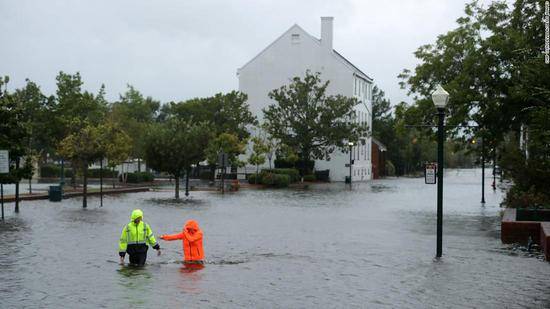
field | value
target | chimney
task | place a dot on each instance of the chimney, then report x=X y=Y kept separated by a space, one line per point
x=326 y=32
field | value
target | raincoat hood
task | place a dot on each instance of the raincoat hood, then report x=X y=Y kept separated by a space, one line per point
x=191 y=225
x=136 y=214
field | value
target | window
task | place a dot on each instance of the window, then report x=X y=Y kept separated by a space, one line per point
x=295 y=38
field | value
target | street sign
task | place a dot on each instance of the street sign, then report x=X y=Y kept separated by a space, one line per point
x=430 y=173
x=4 y=162
x=223 y=159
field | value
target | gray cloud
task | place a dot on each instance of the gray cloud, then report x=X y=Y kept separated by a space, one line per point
x=175 y=50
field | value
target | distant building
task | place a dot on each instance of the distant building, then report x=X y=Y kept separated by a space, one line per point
x=378 y=159
x=292 y=54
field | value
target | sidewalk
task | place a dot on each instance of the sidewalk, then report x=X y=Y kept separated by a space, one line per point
x=68 y=193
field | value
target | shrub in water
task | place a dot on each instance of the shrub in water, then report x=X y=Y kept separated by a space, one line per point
x=293 y=173
x=309 y=178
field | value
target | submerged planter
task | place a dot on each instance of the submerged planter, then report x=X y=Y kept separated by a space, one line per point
x=519 y=224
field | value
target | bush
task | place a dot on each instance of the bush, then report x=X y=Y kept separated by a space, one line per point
x=252 y=179
x=322 y=175
x=107 y=173
x=390 y=168
x=518 y=198
x=54 y=171
x=309 y=177
x=293 y=173
x=138 y=177
x=275 y=180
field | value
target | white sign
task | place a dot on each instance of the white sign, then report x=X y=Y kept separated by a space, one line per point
x=4 y=162
x=430 y=174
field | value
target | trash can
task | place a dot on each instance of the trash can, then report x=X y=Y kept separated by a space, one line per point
x=348 y=179
x=55 y=193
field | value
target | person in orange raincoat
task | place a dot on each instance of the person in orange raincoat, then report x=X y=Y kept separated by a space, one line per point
x=191 y=237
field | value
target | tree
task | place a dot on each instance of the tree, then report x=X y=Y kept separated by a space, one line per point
x=227 y=114
x=35 y=113
x=228 y=144
x=74 y=109
x=490 y=64
x=134 y=114
x=13 y=137
x=173 y=146
x=116 y=145
x=257 y=157
x=93 y=143
x=306 y=119
x=83 y=147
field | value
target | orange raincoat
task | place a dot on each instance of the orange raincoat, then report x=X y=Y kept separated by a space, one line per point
x=192 y=241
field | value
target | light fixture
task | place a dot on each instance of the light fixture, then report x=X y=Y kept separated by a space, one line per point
x=440 y=97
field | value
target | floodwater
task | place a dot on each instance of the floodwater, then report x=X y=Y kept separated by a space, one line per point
x=323 y=247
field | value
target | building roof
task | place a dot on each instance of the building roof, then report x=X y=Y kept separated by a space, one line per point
x=381 y=146
x=336 y=54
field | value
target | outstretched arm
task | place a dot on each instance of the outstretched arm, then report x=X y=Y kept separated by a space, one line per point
x=172 y=236
x=193 y=237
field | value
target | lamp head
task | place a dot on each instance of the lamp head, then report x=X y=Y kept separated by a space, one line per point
x=440 y=97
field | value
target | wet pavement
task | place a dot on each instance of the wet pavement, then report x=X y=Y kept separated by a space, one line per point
x=325 y=246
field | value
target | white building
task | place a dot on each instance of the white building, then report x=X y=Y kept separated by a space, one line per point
x=292 y=54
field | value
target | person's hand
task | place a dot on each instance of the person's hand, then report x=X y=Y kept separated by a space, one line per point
x=162 y=237
x=158 y=252
x=121 y=260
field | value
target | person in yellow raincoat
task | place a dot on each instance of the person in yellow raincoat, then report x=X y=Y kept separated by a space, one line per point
x=135 y=240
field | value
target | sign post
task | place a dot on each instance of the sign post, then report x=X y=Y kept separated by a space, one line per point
x=223 y=161
x=430 y=173
x=4 y=169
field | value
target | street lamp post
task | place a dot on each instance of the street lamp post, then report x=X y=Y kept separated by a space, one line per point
x=482 y=171
x=440 y=98
x=350 y=144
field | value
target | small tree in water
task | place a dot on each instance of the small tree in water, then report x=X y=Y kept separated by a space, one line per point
x=173 y=146
x=306 y=119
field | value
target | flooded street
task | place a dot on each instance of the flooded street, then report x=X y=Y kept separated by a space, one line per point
x=325 y=246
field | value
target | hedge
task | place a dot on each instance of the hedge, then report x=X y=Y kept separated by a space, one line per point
x=309 y=177
x=275 y=180
x=252 y=179
x=54 y=171
x=293 y=173
x=107 y=173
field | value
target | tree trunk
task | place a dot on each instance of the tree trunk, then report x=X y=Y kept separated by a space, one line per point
x=257 y=170
x=213 y=172
x=85 y=187
x=187 y=181
x=114 y=179
x=17 y=186
x=177 y=179
x=30 y=185
x=139 y=165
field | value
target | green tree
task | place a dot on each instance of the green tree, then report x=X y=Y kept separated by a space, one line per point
x=230 y=144
x=492 y=67
x=134 y=113
x=13 y=136
x=174 y=145
x=308 y=120
x=258 y=155
x=226 y=113
x=82 y=147
x=35 y=113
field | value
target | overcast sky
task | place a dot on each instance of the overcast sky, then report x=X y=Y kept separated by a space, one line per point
x=176 y=50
